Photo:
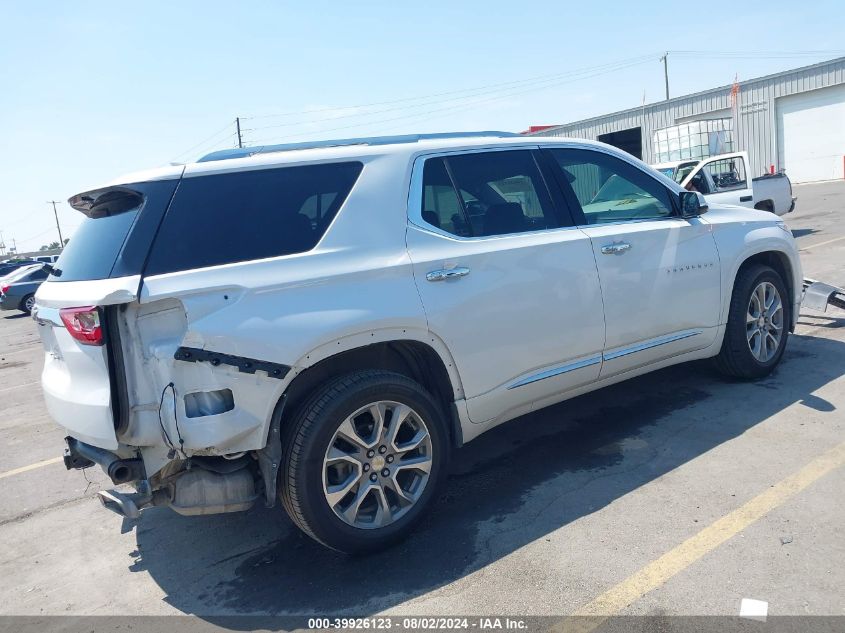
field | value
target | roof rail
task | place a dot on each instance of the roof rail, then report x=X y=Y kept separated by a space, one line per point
x=243 y=152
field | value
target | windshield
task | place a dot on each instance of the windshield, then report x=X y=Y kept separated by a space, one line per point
x=684 y=171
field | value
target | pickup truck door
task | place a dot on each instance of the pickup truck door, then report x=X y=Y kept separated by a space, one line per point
x=507 y=283
x=659 y=273
x=726 y=179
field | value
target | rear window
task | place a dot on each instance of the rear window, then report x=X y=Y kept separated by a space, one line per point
x=115 y=237
x=248 y=215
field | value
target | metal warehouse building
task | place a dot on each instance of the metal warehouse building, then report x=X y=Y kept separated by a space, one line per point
x=793 y=121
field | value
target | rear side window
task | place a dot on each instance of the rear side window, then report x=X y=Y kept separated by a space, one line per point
x=248 y=215
x=115 y=237
x=486 y=193
x=441 y=206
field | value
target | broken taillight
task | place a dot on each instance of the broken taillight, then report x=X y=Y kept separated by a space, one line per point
x=83 y=324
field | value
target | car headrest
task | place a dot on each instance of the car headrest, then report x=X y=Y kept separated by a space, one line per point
x=432 y=218
x=504 y=218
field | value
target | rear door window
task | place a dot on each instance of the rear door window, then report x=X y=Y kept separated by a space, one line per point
x=248 y=215
x=441 y=206
x=489 y=193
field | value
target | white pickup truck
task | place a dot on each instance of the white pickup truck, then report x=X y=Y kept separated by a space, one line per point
x=723 y=179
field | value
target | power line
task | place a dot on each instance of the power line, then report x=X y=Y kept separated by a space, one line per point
x=459 y=107
x=480 y=91
x=214 y=136
x=758 y=54
x=470 y=95
x=431 y=98
x=29 y=239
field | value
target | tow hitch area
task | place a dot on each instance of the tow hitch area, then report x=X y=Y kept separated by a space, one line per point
x=818 y=295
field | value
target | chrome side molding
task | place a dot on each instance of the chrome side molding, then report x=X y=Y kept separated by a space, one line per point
x=557 y=371
x=594 y=360
x=649 y=344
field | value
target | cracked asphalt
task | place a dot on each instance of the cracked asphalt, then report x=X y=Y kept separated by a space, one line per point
x=539 y=516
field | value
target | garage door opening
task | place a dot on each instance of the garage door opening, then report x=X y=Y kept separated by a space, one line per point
x=811 y=134
x=630 y=140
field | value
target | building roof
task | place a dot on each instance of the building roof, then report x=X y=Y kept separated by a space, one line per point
x=747 y=83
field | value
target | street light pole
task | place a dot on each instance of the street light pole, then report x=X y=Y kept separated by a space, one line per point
x=58 y=228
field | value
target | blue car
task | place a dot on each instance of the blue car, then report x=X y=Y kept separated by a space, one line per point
x=17 y=290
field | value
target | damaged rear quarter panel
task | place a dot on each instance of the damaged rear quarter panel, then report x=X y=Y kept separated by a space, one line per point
x=275 y=310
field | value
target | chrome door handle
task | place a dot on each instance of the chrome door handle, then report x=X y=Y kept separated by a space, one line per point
x=616 y=248
x=447 y=273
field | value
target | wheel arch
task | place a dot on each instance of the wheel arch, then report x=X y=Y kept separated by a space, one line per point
x=427 y=362
x=780 y=262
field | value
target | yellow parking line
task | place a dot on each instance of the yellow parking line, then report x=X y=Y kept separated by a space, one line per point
x=656 y=573
x=23 y=469
x=835 y=239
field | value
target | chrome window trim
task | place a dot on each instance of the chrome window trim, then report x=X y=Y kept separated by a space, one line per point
x=650 y=344
x=557 y=371
x=638 y=221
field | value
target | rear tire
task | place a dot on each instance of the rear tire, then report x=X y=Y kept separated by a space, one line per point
x=349 y=478
x=755 y=338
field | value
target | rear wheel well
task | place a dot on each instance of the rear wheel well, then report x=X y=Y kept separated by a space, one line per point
x=413 y=359
x=781 y=264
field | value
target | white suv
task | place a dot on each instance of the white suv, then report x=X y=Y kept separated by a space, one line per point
x=325 y=323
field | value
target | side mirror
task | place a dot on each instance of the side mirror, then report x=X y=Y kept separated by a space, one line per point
x=693 y=204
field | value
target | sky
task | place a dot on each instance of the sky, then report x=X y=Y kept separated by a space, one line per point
x=92 y=90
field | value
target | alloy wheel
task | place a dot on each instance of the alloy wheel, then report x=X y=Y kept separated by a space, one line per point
x=764 y=321
x=377 y=464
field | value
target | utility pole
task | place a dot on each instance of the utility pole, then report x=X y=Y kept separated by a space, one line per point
x=665 y=60
x=58 y=228
x=238 y=125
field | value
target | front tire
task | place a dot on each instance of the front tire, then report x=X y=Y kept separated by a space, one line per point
x=758 y=324
x=363 y=457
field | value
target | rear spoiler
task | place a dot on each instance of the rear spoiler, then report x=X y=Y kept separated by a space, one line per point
x=104 y=202
x=818 y=295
